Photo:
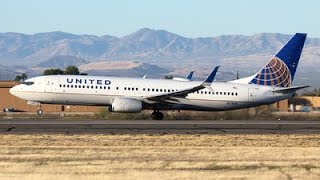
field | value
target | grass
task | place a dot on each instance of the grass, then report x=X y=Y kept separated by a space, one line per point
x=172 y=156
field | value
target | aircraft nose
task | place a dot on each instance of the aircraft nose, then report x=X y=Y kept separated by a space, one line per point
x=13 y=90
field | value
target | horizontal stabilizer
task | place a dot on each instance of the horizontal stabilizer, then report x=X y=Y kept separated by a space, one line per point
x=289 y=89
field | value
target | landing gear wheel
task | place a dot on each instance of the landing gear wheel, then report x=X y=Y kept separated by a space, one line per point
x=157 y=115
x=39 y=112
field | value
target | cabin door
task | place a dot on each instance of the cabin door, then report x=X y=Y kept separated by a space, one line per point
x=48 y=86
x=251 y=94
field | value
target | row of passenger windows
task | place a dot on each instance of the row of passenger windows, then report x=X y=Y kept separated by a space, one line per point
x=218 y=93
x=146 y=89
x=83 y=86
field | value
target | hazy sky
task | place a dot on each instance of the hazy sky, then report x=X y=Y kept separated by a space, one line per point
x=191 y=18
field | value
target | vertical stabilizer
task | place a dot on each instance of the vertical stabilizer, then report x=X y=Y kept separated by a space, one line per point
x=281 y=69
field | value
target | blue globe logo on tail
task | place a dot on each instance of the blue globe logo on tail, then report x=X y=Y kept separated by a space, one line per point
x=275 y=73
x=281 y=69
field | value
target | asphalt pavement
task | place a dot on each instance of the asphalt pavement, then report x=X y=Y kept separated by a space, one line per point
x=163 y=126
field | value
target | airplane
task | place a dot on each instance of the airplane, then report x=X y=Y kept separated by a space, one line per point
x=187 y=78
x=128 y=95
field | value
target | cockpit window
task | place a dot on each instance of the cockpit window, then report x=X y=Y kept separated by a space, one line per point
x=29 y=83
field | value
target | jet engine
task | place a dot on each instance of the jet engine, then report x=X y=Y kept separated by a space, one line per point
x=126 y=105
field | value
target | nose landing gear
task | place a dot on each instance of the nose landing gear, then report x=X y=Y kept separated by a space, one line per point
x=39 y=111
x=157 y=115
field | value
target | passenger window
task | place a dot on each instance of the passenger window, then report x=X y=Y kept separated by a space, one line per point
x=28 y=83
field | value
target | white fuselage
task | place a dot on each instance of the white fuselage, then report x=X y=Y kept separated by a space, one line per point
x=98 y=90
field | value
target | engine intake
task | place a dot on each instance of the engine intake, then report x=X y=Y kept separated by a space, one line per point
x=126 y=105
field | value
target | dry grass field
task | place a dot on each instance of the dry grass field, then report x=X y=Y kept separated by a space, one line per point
x=155 y=156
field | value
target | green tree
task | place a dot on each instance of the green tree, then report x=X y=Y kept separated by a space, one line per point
x=21 y=77
x=18 y=78
x=53 y=72
x=72 y=70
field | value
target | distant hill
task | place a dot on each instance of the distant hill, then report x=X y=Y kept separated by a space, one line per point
x=62 y=62
x=152 y=52
x=145 y=45
x=123 y=68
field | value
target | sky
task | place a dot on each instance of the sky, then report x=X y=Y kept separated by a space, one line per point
x=190 y=18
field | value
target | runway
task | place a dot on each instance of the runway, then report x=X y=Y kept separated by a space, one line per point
x=165 y=126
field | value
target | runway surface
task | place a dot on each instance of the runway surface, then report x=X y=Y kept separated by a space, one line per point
x=150 y=126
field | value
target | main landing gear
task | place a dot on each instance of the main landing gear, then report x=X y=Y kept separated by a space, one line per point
x=157 y=115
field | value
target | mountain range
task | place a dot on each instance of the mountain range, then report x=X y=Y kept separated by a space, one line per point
x=166 y=51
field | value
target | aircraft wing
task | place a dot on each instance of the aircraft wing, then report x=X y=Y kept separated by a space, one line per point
x=183 y=93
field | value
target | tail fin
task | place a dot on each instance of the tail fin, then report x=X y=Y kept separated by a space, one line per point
x=190 y=75
x=282 y=67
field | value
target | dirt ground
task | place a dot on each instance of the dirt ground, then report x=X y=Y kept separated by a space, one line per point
x=159 y=156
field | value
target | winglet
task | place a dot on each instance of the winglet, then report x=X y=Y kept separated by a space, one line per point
x=212 y=75
x=190 y=75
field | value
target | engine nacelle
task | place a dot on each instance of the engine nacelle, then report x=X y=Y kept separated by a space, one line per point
x=126 y=105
